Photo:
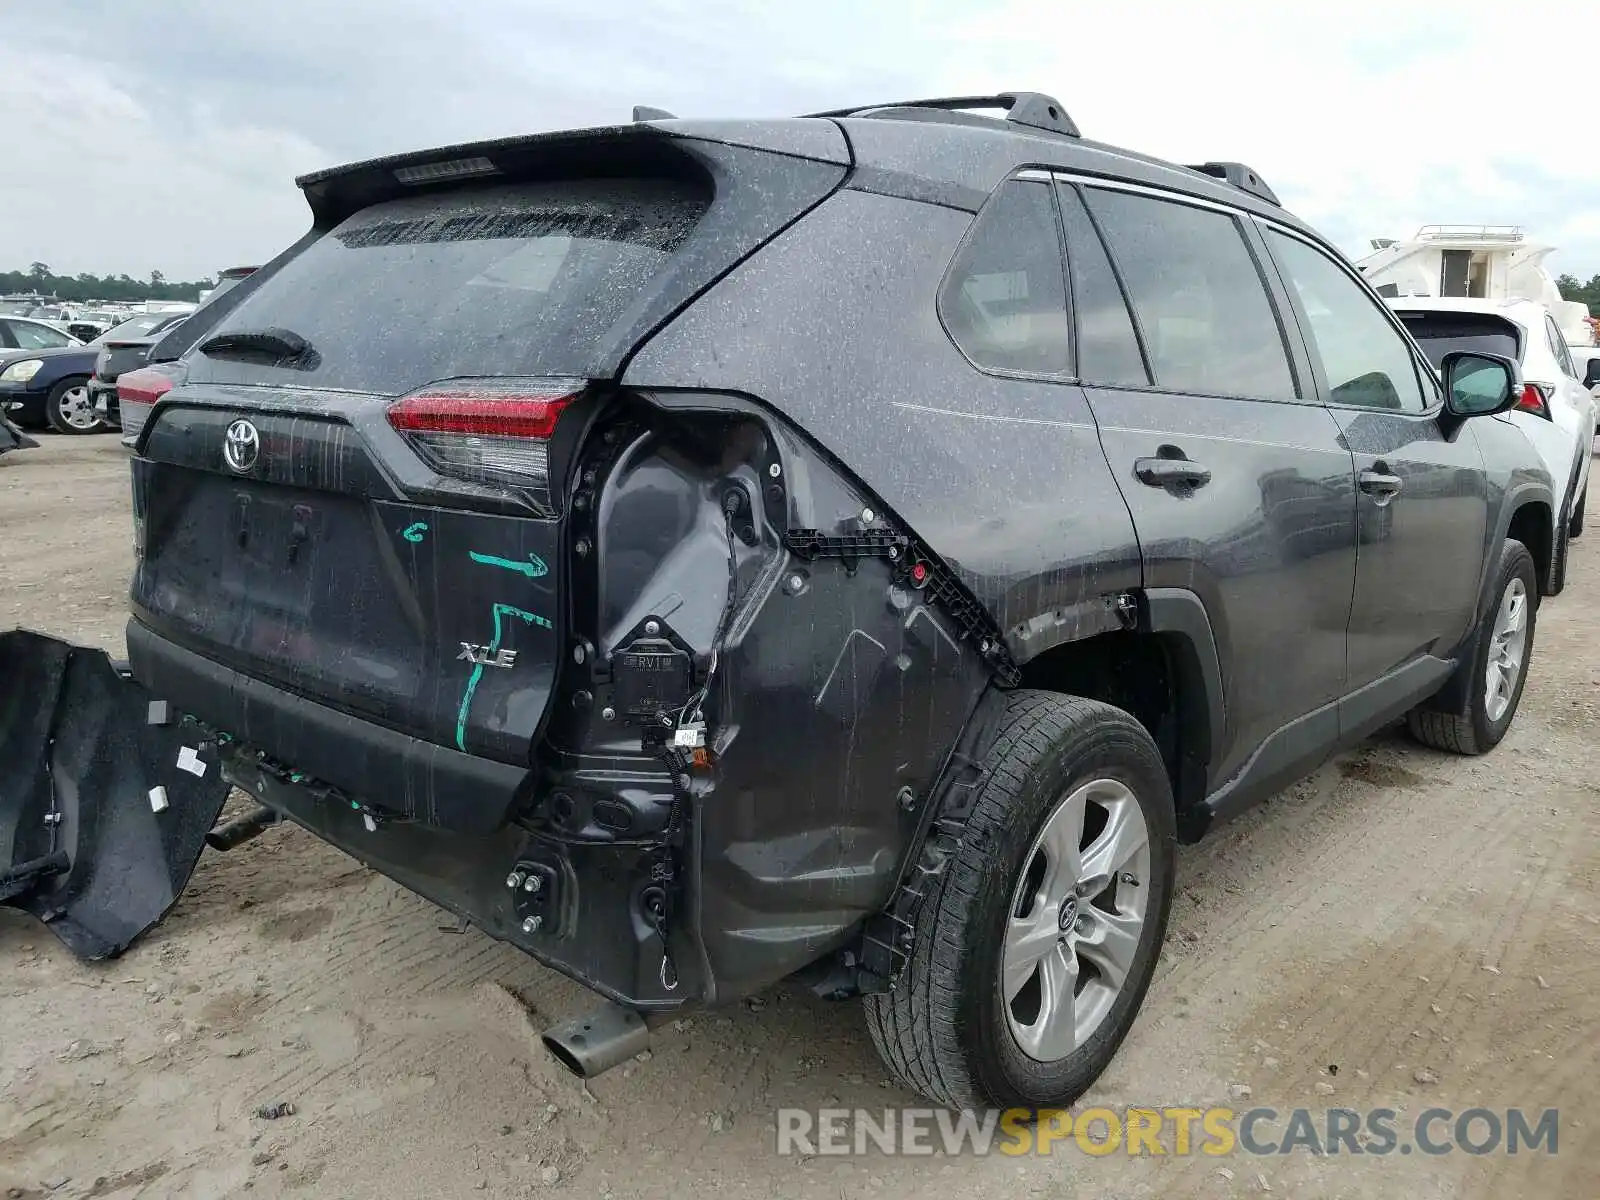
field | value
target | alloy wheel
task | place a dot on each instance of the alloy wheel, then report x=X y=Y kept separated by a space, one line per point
x=1077 y=919
x=76 y=409
x=1508 y=646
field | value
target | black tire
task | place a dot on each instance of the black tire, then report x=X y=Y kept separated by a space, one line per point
x=1575 y=523
x=55 y=403
x=1471 y=730
x=943 y=1030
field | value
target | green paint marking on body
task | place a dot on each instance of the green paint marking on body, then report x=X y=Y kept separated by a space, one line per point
x=500 y=610
x=413 y=533
x=533 y=568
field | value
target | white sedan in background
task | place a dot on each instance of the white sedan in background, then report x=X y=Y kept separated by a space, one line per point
x=1556 y=411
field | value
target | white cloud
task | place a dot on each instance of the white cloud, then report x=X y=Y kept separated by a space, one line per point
x=96 y=181
x=1369 y=118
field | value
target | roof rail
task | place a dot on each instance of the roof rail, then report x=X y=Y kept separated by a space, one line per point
x=1241 y=176
x=643 y=112
x=1033 y=109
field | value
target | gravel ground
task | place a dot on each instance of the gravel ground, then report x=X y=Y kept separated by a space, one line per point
x=1402 y=929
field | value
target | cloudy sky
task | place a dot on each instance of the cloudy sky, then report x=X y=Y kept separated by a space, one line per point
x=166 y=134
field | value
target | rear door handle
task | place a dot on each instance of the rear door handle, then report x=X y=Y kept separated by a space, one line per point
x=1165 y=472
x=1380 y=485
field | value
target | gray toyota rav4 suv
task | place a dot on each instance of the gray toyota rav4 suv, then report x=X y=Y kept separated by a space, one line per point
x=854 y=549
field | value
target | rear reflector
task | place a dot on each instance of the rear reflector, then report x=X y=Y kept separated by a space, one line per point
x=487 y=431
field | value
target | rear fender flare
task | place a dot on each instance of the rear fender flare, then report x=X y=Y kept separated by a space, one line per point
x=1452 y=697
x=1179 y=617
x=1519 y=495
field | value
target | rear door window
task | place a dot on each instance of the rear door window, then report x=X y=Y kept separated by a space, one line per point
x=1367 y=361
x=1004 y=301
x=1108 y=347
x=520 y=279
x=1202 y=306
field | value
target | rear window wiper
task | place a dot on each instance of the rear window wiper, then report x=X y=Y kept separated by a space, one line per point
x=275 y=343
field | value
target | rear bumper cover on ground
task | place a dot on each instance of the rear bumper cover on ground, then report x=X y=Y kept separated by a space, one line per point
x=102 y=813
x=12 y=438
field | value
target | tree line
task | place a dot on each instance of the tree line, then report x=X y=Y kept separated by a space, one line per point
x=40 y=279
x=1585 y=293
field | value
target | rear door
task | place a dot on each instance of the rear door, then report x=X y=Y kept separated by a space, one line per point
x=1421 y=491
x=1237 y=478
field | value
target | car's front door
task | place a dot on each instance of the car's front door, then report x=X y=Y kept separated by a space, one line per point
x=1238 y=482
x=1421 y=499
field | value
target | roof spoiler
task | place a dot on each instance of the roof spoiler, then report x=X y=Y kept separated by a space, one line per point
x=1240 y=176
x=1033 y=109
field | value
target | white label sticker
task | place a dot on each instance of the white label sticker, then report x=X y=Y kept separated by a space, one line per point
x=189 y=760
x=158 y=799
x=690 y=736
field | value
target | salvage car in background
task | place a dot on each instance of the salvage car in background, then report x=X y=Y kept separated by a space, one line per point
x=26 y=333
x=125 y=348
x=1556 y=409
x=49 y=388
x=128 y=347
x=710 y=553
x=90 y=324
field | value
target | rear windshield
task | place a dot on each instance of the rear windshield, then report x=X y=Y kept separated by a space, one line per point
x=1441 y=333
x=512 y=280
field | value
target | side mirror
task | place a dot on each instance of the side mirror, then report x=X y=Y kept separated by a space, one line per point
x=1591 y=374
x=1479 y=385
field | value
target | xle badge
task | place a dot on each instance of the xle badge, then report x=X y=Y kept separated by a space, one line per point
x=485 y=656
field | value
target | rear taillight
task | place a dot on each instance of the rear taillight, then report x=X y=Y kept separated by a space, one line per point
x=137 y=393
x=1535 y=399
x=487 y=431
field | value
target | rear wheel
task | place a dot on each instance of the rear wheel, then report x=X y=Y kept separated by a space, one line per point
x=1033 y=952
x=1502 y=650
x=1575 y=523
x=69 y=409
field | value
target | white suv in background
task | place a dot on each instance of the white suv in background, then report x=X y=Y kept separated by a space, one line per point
x=1586 y=361
x=1556 y=411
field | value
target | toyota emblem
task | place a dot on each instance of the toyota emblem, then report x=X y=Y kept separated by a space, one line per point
x=241 y=446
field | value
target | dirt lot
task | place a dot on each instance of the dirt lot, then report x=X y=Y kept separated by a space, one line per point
x=1423 y=925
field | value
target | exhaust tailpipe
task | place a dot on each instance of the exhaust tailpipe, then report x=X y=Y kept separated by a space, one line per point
x=594 y=1043
x=242 y=828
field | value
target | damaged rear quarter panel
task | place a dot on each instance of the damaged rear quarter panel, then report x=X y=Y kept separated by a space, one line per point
x=834 y=324
x=835 y=699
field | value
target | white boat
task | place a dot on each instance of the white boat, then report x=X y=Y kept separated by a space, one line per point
x=1487 y=262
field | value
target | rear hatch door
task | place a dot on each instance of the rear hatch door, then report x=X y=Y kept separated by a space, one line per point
x=357 y=492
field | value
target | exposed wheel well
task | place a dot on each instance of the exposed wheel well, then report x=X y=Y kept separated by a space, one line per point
x=1147 y=676
x=1533 y=525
